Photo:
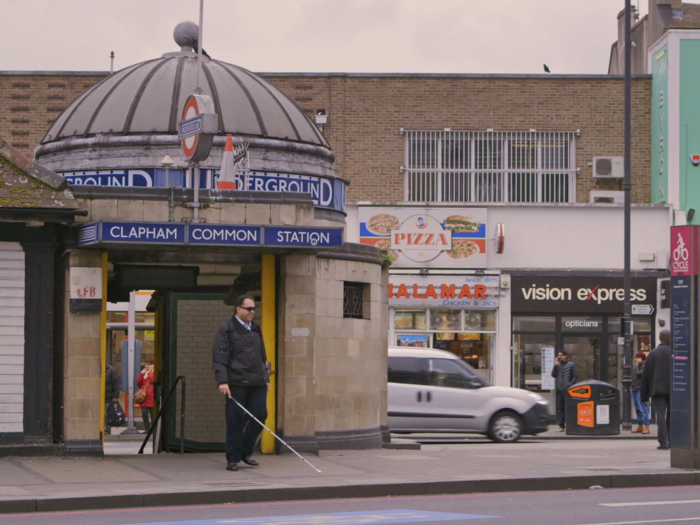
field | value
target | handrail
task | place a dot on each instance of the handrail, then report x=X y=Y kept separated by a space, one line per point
x=162 y=409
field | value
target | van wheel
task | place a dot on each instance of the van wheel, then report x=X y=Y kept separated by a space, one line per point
x=505 y=427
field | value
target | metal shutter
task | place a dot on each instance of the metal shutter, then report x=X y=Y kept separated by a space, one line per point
x=11 y=337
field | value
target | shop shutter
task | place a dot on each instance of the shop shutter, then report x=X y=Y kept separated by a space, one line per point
x=11 y=337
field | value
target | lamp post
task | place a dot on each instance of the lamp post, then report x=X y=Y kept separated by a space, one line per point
x=626 y=324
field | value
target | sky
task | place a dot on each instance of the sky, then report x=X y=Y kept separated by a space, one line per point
x=351 y=36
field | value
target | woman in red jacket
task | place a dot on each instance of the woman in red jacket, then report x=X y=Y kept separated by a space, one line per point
x=146 y=380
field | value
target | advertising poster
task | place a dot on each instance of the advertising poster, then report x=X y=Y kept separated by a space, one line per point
x=547 y=365
x=427 y=237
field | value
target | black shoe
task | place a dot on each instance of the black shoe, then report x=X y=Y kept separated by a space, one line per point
x=248 y=460
x=663 y=447
x=232 y=466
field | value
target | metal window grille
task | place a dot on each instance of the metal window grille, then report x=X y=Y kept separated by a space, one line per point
x=352 y=300
x=490 y=166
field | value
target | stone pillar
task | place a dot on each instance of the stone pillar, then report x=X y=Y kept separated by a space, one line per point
x=83 y=367
x=297 y=329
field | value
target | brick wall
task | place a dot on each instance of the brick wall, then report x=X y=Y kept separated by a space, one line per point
x=197 y=324
x=29 y=104
x=367 y=112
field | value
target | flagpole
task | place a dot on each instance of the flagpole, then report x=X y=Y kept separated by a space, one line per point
x=199 y=47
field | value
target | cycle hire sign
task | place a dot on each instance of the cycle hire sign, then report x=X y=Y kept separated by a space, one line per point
x=682 y=264
x=684 y=384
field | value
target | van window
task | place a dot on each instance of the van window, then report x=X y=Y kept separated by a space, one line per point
x=408 y=370
x=449 y=373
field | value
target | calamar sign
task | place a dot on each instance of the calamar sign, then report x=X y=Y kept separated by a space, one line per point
x=448 y=291
x=173 y=233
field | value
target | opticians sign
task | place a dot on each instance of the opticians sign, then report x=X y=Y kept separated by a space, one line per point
x=427 y=237
x=578 y=294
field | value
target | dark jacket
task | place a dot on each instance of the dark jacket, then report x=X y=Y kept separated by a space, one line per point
x=566 y=374
x=656 y=379
x=239 y=355
x=636 y=385
x=113 y=385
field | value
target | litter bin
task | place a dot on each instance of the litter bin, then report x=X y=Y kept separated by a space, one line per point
x=592 y=409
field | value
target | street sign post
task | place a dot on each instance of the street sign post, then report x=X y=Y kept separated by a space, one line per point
x=685 y=449
x=642 y=309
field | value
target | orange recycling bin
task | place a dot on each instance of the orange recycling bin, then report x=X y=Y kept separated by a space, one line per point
x=592 y=409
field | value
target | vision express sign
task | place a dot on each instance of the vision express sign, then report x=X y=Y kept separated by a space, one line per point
x=599 y=295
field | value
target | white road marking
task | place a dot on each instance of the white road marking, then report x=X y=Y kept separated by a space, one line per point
x=674 y=520
x=646 y=503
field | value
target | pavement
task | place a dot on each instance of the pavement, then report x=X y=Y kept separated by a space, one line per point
x=417 y=465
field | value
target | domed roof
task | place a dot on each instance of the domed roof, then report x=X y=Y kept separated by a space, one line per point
x=148 y=98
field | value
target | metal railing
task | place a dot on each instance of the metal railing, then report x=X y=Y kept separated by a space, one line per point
x=490 y=166
x=162 y=410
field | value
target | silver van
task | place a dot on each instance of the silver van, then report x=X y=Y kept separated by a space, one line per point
x=435 y=391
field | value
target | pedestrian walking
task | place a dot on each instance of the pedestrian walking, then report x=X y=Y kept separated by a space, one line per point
x=146 y=381
x=656 y=385
x=112 y=390
x=566 y=374
x=240 y=371
x=640 y=406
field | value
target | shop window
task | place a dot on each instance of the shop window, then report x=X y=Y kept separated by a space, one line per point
x=524 y=323
x=354 y=300
x=528 y=359
x=409 y=319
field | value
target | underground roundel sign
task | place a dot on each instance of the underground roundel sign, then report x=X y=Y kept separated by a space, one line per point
x=197 y=128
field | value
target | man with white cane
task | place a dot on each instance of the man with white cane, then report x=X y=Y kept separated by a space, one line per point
x=239 y=369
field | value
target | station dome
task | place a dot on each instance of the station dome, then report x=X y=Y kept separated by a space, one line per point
x=127 y=124
x=148 y=98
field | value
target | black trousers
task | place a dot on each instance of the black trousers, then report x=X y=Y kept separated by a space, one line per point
x=662 y=408
x=561 y=408
x=147 y=415
x=241 y=430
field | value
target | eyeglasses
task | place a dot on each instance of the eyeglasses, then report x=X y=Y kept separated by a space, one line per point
x=249 y=308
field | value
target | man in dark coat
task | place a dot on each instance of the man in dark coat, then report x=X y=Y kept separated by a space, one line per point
x=565 y=374
x=239 y=369
x=113 y=387
x=656 y=385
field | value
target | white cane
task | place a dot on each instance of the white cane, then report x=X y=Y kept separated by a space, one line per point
x=271 y=432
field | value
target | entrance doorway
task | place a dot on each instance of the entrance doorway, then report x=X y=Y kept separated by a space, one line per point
x=176 y=321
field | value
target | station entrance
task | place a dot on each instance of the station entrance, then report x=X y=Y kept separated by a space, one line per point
x=178 y=308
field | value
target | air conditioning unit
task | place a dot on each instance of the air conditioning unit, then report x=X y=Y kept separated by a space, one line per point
x=609 y=167
x=607 y=197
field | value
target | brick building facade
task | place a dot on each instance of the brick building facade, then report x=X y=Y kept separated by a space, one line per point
x=367 y=112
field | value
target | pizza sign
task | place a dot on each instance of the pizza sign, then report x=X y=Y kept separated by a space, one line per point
x=435 y=237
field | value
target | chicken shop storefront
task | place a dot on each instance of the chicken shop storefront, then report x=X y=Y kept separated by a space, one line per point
x=440 y=295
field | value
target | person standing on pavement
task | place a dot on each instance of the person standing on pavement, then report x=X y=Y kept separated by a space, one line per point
x=113 y=388
x=566 y=374
x=656 y=385
x=640 y=407
x=240 y=371
x=146 y=379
